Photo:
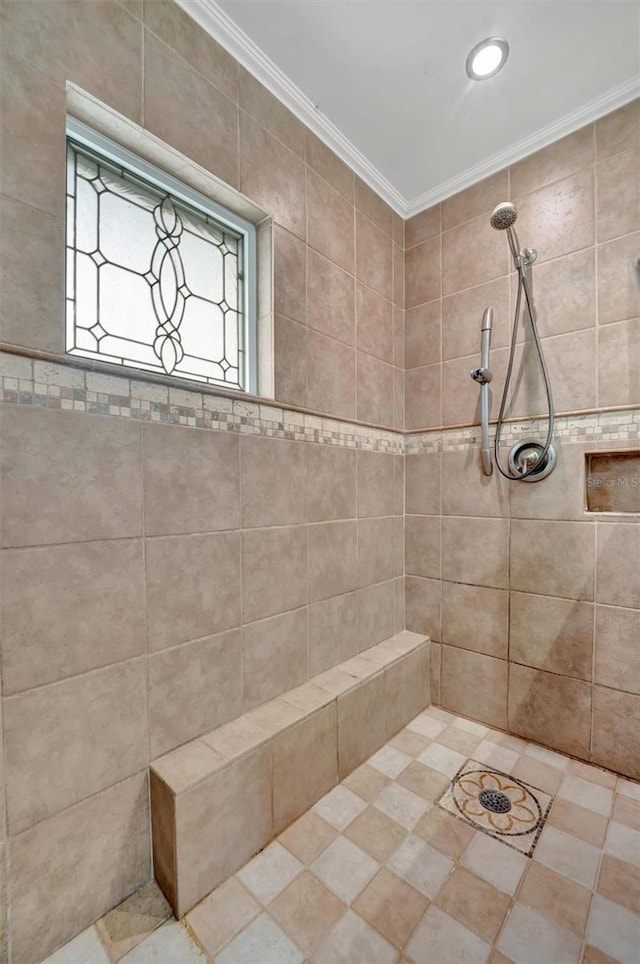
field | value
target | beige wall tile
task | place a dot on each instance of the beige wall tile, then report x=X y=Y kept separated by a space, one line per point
x=619 y=130
x=480 y=198
x=475 y=685
x=616 y=731
x=422 y=546
x=33 y=119
x=374 y=390
x=618 y=564
x=332 y=559
x=552 y=634
x=539 y=554
x=192 y=689
x=423 y=599
x=558 y=218
x=330 y=299
x=274 y=656
x=331 y=384
x=475 y=618
x=361 y=724
x=203 y=576
x=462 y=317
x=375 y=475
x=66 y=741
x=423 y=226
x=572 y=362
x=557 y=160
x=186 y=111
x=472 y=254
x=407 y=689
x=561 y=495
x=289 y=275
x=375 y=557
x=99 y=48
x=423 y=273
x=461 y=564
x=329 y=166
x=461 y=395
x=330 y=222
x=274 y=571
x=272 y=176
x=618 y=195
x=104 y=840
x=617 y=286
x=209 y=464
x=422 y=335
x=376 y=614
x=565 y=293
x=423 y=397
x=69 y=609
x=331 y=482
x=270 y=112
x=423 y=486
x=173 y=25
x=273 y=481
x=436 y=673
x=618 y=364
x=333 y=632
x=617 y=658
x=220 y=824
x=373 y=207
x=552 y=710
x=466 y=491
x=305 y=765
x=89 y=468
x=290 y=362
x=32 y=276
x=374 y=319
x=374 y=257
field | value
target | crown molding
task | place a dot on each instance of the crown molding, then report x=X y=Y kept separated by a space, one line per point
x=212 y=18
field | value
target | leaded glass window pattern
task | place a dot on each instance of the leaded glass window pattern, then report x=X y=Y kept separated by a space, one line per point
x=152 y=281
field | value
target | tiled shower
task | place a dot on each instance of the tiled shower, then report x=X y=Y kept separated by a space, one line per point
x=174 y=558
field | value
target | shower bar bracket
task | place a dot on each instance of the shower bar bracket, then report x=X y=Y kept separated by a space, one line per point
x=483 y=376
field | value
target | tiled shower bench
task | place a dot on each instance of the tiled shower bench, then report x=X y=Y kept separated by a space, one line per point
x=219 y=799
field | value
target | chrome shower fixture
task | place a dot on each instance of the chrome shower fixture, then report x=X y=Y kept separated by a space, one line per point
x=503 y=217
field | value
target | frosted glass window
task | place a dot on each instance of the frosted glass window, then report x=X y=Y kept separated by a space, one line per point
x=153 y=281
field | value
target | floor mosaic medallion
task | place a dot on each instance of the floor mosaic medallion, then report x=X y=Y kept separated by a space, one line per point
x=498 y=804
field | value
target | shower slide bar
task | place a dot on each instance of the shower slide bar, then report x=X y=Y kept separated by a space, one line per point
x=483 y=376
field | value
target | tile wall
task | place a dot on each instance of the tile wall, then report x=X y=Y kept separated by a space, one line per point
x=535 y=602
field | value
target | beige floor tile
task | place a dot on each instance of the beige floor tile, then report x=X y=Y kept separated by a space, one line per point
x=420 y=865
x=457 y=739
x=269 y=873
x=556 y=896
x=445 y=832
x=619 y=881
x=496 y=756
x=475 y=903
x=628 y=788
x=261 y=941
x=586 y=794
x=498 y=958
x=623 y=842
x=375 y=833
x=85 y=947
x=614 y=929
x=308 y=837
x=470 y=726
x=547 y=756
x=507 y=740
x=585 y=824
x=568 y=855
x=351 y=940
x=626 y=811
x=170 y=942
x=495 y=862
x=530 y=938
x=392 y=906
x=424 y=781
x=439 y=937
x=401 y=805
x=427 y=726
x=306 y=911
x=592 y=955
x=409 y=742
x=437 y=713
x=133 y=920
x=340 y=807
x=442 y=759
x=594 y=774
x=344 y=869
x=224 y=913
x=367 y=782
x=389 y=761
x=539 y=775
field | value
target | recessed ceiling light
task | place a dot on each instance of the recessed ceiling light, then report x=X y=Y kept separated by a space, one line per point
x=487 y=58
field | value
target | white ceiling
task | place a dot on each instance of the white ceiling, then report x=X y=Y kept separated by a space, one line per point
x=383 y=82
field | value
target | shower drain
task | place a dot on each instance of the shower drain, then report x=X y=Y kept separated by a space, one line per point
x=495 y=801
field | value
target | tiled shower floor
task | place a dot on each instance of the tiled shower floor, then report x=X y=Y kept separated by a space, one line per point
x=381 y=870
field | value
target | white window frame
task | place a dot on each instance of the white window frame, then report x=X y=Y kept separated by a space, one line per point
x=104 y=146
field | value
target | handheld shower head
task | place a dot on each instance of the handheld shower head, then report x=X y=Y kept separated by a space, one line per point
x=503 y=216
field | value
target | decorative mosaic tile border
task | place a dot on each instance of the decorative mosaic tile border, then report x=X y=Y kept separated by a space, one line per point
x=27 y=381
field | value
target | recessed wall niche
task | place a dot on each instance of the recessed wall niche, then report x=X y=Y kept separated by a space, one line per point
x=613 y=482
